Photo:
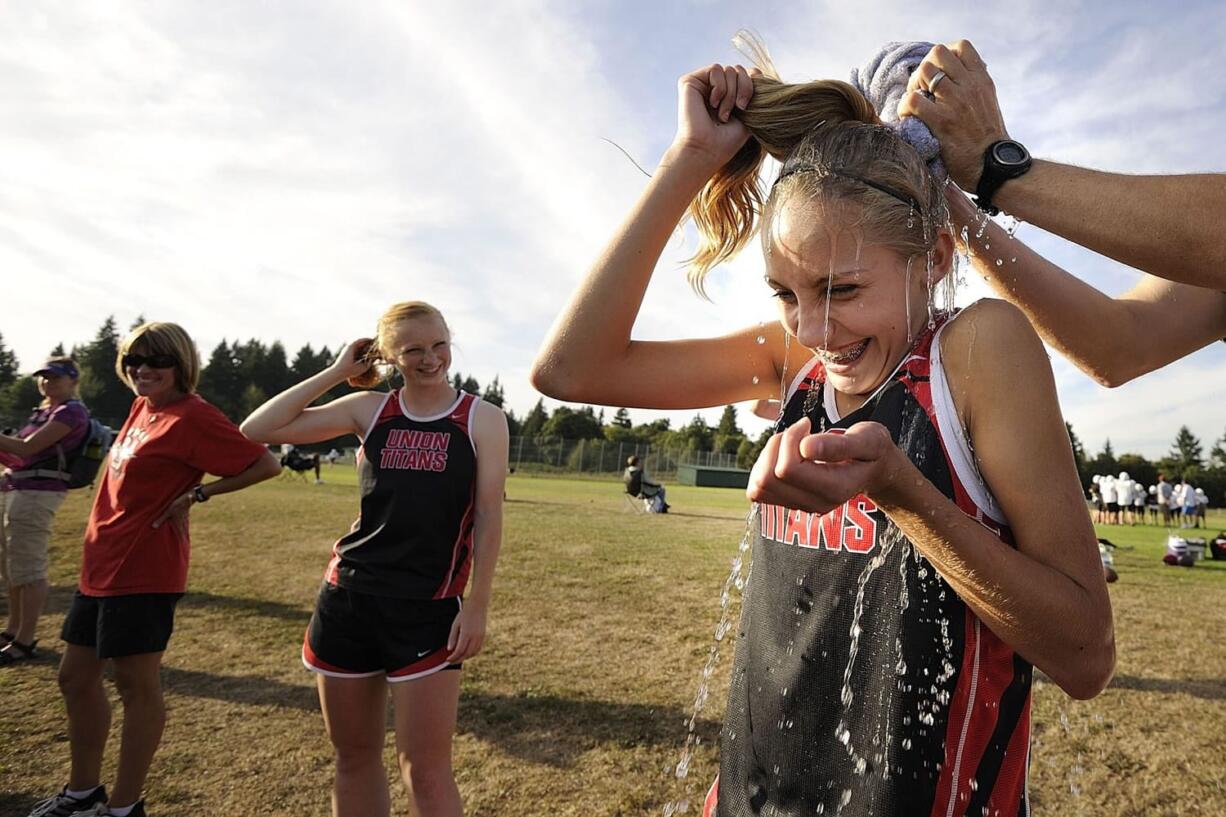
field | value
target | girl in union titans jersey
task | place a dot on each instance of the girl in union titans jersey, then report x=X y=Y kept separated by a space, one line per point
x=896 y=509
x=391 y=612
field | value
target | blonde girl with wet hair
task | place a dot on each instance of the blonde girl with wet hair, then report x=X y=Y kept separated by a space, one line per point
x=135 y=562
x=906 y=574
x=392 y=614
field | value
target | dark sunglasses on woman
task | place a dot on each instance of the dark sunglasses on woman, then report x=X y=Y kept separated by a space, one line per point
x=131 y=361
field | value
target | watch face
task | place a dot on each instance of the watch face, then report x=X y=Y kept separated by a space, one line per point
x=1010 y=153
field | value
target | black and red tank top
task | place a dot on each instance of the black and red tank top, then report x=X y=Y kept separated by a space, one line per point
x=417 y=475
x=862 y=684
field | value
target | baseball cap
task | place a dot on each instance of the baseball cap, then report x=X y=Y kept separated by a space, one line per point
x=59 y=368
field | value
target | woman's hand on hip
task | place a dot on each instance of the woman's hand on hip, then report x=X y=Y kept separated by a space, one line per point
x=177 y=513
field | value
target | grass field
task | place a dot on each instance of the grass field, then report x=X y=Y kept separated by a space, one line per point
x=601 y=623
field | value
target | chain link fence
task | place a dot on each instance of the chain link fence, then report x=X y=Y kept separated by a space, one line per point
x=555 y=455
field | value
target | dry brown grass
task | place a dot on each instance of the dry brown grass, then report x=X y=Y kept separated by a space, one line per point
x=601 y=623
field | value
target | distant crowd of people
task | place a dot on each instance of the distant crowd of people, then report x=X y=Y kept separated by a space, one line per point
x=1125 y=501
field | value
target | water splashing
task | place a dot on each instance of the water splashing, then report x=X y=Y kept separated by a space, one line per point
x=736 y=579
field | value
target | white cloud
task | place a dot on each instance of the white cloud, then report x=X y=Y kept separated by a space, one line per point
x=287 y=170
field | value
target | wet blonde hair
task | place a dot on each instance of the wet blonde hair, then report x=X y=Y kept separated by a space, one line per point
x=161 y=338
x=834 y=151
x=380 y=351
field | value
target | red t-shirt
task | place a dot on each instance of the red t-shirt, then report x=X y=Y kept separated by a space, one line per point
x=158 y=455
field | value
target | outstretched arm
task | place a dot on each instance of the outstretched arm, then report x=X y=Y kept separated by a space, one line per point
x=1168 y=226
x=39 y=441
x=1113 y=340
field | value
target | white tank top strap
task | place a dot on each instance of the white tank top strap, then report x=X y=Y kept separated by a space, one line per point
x=956 y=443
x=378 y=413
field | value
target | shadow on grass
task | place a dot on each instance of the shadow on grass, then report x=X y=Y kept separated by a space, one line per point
x=60 y=599
x=1209 y=690
x=556 y=730
x=549 y=729
x=19 y=803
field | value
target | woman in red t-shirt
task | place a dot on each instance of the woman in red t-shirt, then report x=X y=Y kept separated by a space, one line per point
x=134 y=568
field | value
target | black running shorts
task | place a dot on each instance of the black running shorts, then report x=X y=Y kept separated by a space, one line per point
x=118 y=626
x=354 y=634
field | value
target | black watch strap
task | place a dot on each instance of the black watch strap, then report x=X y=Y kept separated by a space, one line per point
x=1003 y=160
x=199 y=495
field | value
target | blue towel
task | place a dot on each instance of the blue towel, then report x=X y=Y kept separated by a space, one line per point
x=883 y=81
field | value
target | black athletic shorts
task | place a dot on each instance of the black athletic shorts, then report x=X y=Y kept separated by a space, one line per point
x=118 y=626
x=1113 y=507
x=353 y=635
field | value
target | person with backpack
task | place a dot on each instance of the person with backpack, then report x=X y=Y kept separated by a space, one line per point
x=32 y=489
x=135 y=561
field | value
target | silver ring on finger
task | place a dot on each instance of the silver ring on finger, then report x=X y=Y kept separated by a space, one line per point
x=932 y=83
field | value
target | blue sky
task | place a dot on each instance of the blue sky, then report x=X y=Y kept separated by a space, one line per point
x=286 y=170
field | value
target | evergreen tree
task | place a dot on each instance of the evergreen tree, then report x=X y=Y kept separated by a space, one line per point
x=1186 y=451
x=1105 y=463
x=221 y=382
x=58 y=351
x=728 y=435
x=275 y=376
x=306 y=363
x=570 y=424
x=493 y=393
x=535 y=421
x=109 y=399
x=140 y=319
x=622 y=419
x=17 y=400
x=697 y=435
x=747 y=453
x=1079 y=455
x=1217 y=455
x=253 y=397
x=470 y=385
x=8 y=364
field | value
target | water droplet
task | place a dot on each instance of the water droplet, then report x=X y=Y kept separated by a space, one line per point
x=761 y=339
x=999 y=263
x=1013 y=260
x=755 y=380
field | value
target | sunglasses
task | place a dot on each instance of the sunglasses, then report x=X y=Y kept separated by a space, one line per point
x=152 y=361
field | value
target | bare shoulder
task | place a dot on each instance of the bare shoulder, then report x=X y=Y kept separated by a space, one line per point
x=489 y=422
x=989 y=349
x=360 y=401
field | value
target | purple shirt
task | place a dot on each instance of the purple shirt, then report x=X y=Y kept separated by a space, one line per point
x=72 y=414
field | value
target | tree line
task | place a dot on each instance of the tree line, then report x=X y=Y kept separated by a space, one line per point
x=240 y=375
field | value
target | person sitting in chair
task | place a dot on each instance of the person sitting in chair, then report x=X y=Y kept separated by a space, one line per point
x=639 y=487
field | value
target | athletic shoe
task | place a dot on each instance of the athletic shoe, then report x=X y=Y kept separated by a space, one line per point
x=61 y=805
x=101 y=810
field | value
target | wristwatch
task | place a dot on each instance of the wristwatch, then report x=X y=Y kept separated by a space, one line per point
x=199 y=495
x=1002 y=161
